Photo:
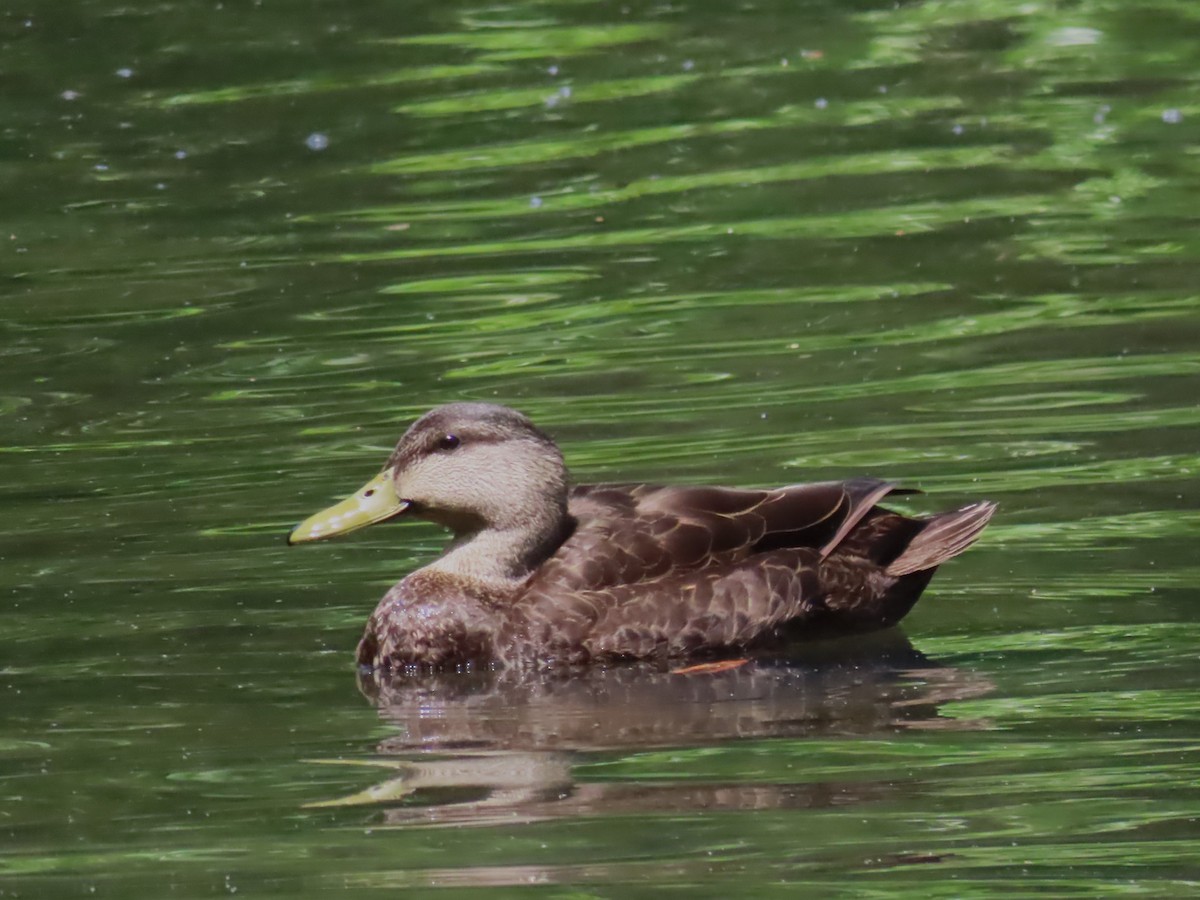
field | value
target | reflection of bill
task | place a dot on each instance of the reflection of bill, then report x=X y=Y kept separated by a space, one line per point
x=482 y=747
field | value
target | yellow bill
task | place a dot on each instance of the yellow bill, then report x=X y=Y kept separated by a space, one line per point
x=373 y=502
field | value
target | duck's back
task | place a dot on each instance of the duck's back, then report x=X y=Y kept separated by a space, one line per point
x=652 y=569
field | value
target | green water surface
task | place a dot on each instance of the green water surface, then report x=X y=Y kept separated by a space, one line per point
x=949 y=242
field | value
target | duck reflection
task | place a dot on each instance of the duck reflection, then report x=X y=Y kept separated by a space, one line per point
x=475 y=748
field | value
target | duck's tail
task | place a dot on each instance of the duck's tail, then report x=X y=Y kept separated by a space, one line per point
x=945 y=535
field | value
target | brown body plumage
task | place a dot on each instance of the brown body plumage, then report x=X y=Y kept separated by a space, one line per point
x=541 y=573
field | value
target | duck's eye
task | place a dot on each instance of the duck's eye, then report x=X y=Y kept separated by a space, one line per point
x=449 y=442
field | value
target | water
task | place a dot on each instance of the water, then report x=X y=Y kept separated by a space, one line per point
x=946 y=243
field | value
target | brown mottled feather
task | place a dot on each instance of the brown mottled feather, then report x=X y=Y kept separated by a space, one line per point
x=656 y=570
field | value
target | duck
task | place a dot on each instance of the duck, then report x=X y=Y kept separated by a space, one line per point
x=544 y=573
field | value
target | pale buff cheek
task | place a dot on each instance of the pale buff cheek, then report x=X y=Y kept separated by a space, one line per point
x=483 y=479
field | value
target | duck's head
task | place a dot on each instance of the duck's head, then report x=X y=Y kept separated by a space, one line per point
x=468 y=466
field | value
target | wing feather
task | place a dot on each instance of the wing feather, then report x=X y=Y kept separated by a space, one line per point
x=673 y=569
x=635 y=533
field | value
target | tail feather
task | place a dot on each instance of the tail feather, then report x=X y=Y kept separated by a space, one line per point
x=945 y=535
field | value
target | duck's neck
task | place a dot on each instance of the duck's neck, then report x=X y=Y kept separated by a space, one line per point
x=500 y=560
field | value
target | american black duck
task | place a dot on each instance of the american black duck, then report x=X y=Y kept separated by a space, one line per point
x=542 y=573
